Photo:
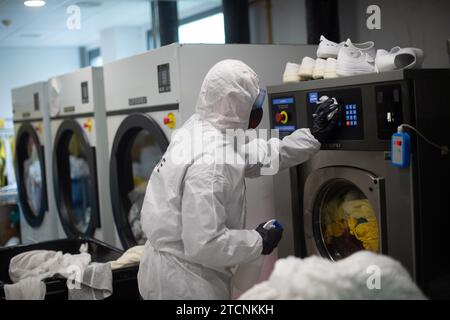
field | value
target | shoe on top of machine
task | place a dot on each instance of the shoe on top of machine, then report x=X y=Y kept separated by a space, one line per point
x=328 y=49
x=398 y=58
x=306 y=68
x=319 y=69
x=291 y=73
x=330 y=69
x=365 y=47
x=352 y=62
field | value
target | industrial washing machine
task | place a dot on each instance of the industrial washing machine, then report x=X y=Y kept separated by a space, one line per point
x=39 y=220
x=350 y=196
x=80 y=154
x=150 y=95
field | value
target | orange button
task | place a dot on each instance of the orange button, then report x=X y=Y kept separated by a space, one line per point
x=278 y=117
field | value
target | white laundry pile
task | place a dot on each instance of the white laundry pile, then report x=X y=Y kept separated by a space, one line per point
x=348 y=58
x=89 y=281
x=352 y=278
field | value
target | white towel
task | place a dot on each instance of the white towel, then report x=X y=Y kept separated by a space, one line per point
x=28 y=289
x=355 y=277
x=96 y=283
x=90 y=281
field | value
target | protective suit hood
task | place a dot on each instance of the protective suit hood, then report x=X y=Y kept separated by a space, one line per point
x=227 y=95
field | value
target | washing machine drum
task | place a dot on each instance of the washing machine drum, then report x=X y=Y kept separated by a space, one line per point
x=138 y=146
x=346 y=217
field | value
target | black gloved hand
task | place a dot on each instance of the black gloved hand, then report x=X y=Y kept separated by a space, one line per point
x=325 y=118
x=270 y=238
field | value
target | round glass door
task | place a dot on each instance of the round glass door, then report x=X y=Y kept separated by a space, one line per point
x=138 y=146
x=75 y=180
x=30 y=171
x=345 y=220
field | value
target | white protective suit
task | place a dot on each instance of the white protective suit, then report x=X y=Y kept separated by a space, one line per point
x=194 y=210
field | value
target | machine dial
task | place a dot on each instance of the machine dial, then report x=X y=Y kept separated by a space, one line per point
x=169 y=120
x=281 y=117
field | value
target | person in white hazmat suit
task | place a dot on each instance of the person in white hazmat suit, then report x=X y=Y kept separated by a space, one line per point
x=194 y=210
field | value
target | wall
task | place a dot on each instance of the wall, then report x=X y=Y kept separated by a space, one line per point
x=288 y=22
x=418 y=23
x=21 y=66
x=423 y=24
x=122 y=42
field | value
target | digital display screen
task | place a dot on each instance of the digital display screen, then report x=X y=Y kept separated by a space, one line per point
x=313 y=97
x=281 y=101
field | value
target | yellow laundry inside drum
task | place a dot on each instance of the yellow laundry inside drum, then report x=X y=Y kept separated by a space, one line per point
x=348 y=225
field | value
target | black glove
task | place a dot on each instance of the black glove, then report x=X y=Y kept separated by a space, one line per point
x=270 y=238
x=325 y=118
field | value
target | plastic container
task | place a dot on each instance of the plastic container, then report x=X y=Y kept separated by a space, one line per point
x=125 y=285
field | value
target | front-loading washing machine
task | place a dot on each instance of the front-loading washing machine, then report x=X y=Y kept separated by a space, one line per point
x=150 y=95
x=350 y=197
x=79 y=164
x=39 y=220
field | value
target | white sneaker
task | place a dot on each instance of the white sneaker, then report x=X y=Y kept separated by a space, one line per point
x=352 y=62
x=291 y=73
x=319 y=69
x=306 y=68
x=365 y=47
x=328 y=49
x=330 y=69
x=398 y=58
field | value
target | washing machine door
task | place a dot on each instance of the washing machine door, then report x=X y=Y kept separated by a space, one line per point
x=138 y=146
x=343 y=212
x=30 y=173
x=75 y=180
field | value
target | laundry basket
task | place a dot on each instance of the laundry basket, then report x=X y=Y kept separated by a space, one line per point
x=124 y=280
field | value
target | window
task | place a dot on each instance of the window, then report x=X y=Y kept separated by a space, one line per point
x=205 y=30
x=95 y=58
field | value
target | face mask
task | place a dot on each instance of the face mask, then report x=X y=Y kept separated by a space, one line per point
x=257 y=110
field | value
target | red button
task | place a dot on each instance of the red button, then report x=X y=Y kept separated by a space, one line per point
x=279 y=117
x=167 y=120
x=348 y=123
x=398 y=142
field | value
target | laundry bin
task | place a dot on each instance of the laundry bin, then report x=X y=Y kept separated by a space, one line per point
x=125 y=285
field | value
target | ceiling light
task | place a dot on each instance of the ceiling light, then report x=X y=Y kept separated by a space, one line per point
x=34 y=3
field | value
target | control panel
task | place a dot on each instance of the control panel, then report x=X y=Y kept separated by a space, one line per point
x=284 y=114
x=389 y=109
x=369 y=114
x=350 y=117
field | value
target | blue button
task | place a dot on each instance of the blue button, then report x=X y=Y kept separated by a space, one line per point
x=354 y=111
x=356 y=123
x=347 y=112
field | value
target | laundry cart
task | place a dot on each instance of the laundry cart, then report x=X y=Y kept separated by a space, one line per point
x=124 y=280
